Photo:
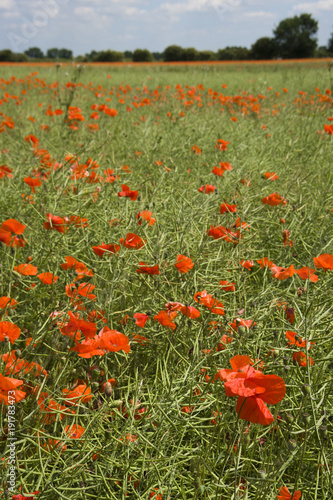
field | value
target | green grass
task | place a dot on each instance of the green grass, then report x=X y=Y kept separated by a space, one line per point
x=180 y=453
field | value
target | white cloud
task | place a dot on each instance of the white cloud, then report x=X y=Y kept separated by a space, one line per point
x=7 y=4
x=261 y=14
x=323 y=5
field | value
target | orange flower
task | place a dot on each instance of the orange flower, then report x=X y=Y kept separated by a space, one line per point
x=165 y=318
x=10 y=330
x=75 y=324
x=6 y=172
x=227 y=287
x=282 y=273
x=132 y=241
x=294 y=339
x=146 y=215
x=13 y=226
x=10 y=385
x=57 y=223
x=26 y=269
x=207 y=189
x=306 y=273
x=47 y=278
x=113 y=341
x=221 y=144
x=100 y=250
x=128 y=193
x=33 y=183
x=274 y=199
x=196 y=150
x=324 y=261
x=284 y=493
x=208 y=300
x=184 y=264
x=300 y=358
x=189 y=311
x=141 y=319
x=7 y=302
x=144 y=269
x=264 y=262
x=248 y=264
x=74 y=431
x=225 y=207
x=81 y=393
x=270 y=176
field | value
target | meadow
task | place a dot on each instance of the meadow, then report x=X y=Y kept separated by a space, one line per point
x=166 y=246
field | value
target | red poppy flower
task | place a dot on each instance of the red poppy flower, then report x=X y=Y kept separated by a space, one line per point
x=32 y=139
x=282 y=273
x=295 y=339
x=221 y=144
x=141 y=319
x=306 y=273
x=324 y=261
x=253 y=389
x=223 y=343
x=208 y=300
x=22 y=497
x=144 y=269
x=75 y=324
x=207 y=189
x=16 y=365
x=290 y=314
x=10 y=330
x=237 y=322
x=83 y=290
x=5 y=237
x=196 y=150
x=184 y=264
x=100 y=250
x=165 y=318
x=11 y=385
x=248 y=264
x=57 y=223
x=189 y=311
x=270 y=176
x=132 y=241
x=224 y=166
x=88 y=348
x=284 y=494
x=274 y=199
x=225 y=207
x=300 y=358
x=33 y=183
x=227 y=287
x=74 y=431
x=47 y=278
x=6 y=172
x=26 y=269
x=13 y=226
x=264 y=262
x=81 y=393
x=113 y=341
x=221 y=232
x=146 y=215
x=128 y=193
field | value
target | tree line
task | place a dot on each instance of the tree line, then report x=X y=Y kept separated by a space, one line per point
x=293 y=38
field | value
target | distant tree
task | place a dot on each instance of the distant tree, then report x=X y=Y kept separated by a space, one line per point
x=330 y=45
x=34 y=53
x=173 y=53
x=190 y=54
x=7 y=55
x=142 y=55
x=52 y=53
x=233 y=54
x=65 y=54
x=322 y=52
x=91 y=56
x=206 y=55
x=295 y=37
x=158 y=56
x=128 y=54
x=263 y=49
x=109 y=56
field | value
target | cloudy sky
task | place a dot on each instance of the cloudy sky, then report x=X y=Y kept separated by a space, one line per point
x=85 y=25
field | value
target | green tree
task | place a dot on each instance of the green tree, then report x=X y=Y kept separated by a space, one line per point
x=330 y=45
x=109 y=56
x=233 y=54
x=158 y=56
x=128 y=54
x=263 y=49
x=65 y=54
x=7 y=55
x=295 y=37
x=142 y=55
x=190 y=54
x=52 y=53
x=206 y=55
x=173 y=53
x=34 y=53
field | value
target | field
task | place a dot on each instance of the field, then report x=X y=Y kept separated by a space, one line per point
x=166 y=246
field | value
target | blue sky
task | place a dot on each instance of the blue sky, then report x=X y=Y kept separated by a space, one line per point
x=85 y=25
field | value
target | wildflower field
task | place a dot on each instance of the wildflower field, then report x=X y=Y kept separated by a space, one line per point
x=166 y=246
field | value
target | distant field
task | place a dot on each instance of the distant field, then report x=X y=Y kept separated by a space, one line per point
x=166 y=249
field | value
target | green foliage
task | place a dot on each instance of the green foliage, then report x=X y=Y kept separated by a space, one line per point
x=295 y=37
x=263 y=49
x=34 y=53
x=108 y=56
x=233 y=54
x=173 y=53
x=9 y=56
x=330 y=45
x=142 y=55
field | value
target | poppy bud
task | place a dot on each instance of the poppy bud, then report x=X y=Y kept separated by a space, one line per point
x=241 y=330
x=287 y=368
x=289 y=418
x=306 y=389
x=18 y=352
x=306 y=418
x=323 y=430
x=262 y=474
x=108 y=389
x=292 y=445
x=246 y=439
x=95 y=386
x=7 y=339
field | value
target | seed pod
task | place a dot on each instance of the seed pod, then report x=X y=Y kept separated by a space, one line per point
x=306 y=389
x=292 y=445
x=108 y=389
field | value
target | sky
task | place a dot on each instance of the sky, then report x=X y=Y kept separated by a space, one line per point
x=86 y=25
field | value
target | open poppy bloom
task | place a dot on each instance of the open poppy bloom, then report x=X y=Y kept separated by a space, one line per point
x=126 y=192
x=324 y=261
x=57 y=223
x=264 y=262
x=6 y=302
x=33 y=183
x=253 y=389
x=208 y=300
x=221 y=144
x=10 y=231
x=225 y=208
x=284 y=494
x=81 y=393
x=74 y=431
x=132 y=241
x=221 y=232
x=207 y=189
x=26 y=269
x=295 y=339
x=16 y=365
x=189 y=311
x=282 y=273
x=113 y=341
x=100 y=250
x=144 y=269
x=300 y=358
x=11 y=385
x=165 y=318
x=184 y=264
x=227 y=287
x=306 y=273
x=270 y=176
x=47 y=278
x=248 y=264
x=6 y=172
x=274 y=199
x=75 y=325
x=141 y=319
x=10 y=330
x=147 y=216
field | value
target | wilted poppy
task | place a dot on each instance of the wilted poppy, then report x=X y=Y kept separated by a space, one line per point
x=184 y=264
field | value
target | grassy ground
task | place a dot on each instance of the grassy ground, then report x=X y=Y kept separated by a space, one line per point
x=167 y=429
